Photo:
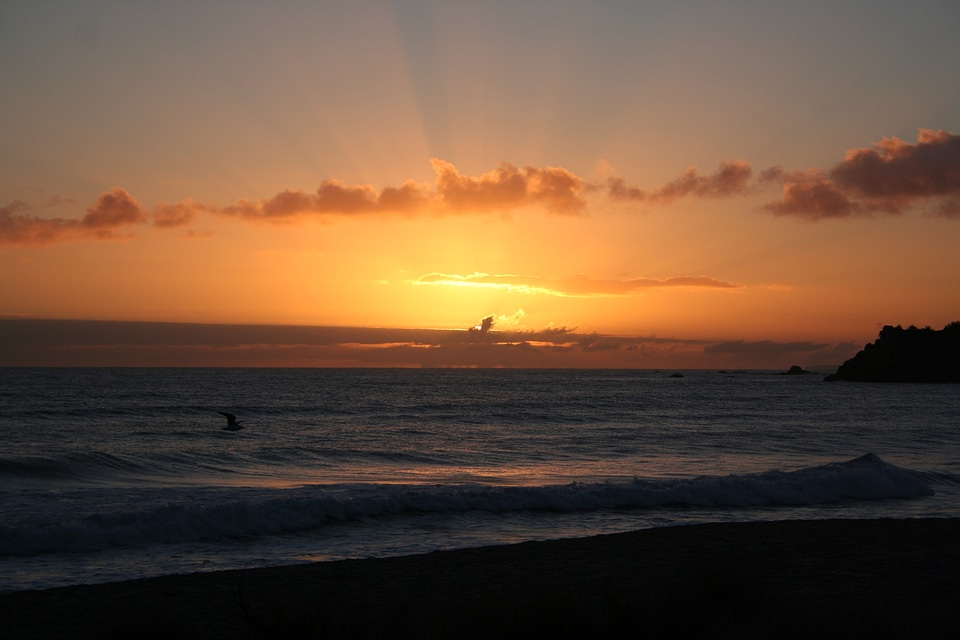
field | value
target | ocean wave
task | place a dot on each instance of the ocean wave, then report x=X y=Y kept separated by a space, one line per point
x=311 y=508
x=87 y=468
x=68 y=466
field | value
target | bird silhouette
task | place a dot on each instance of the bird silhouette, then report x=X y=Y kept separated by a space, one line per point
x=232 y=423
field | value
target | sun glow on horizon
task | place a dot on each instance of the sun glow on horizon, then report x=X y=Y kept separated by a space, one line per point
x=517 y=161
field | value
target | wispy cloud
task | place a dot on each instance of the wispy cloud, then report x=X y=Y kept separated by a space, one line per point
x=572 y=287
x=171 y=216
x=25 y=341
x=771 y=351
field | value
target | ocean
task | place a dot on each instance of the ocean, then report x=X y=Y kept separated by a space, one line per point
x=114 y=474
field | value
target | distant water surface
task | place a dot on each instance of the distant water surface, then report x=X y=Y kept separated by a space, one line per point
x=110 y=474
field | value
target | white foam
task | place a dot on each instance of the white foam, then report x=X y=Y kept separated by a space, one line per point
x=265 y=513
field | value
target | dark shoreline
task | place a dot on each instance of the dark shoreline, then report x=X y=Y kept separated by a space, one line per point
x=859 y=578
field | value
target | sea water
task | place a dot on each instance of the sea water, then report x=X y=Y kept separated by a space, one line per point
x=112 y=474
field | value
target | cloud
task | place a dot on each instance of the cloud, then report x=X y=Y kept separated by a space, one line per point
x=949 y=208
x=732 y=178
x=508 y=187
x=572 y=287
x=895 y=170
x=746 y=351
x=170 y=216
x=813 y=195
x=504 y=189
x=334 y=197
x=511 y=321
x=113 y=210
x=764 y=347
x=485 y=325
x=889 y=177
x=32 y=342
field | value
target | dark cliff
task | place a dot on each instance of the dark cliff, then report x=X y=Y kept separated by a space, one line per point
x=906 y=355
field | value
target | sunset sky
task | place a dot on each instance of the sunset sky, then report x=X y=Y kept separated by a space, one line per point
x=622 y=184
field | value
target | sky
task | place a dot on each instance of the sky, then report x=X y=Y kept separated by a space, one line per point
x=684 y=184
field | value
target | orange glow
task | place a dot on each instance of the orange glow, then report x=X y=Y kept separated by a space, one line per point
x=545 y=194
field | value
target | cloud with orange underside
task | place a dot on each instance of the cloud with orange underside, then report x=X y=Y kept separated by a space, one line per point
x=731 y=179
x=113 y=211
x=508 y=187
x=504 y=189
x=890 y=177
x=171 y=216
x=334 y=197
x=572 y=287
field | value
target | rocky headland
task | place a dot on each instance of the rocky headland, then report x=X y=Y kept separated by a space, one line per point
x=906 y=355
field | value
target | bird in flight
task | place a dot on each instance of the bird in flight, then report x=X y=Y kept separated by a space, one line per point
x=232 y=423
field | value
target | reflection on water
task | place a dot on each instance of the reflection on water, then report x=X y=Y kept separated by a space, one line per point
x=108 y=474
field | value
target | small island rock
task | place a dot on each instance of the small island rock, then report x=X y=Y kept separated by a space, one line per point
x=795 y=370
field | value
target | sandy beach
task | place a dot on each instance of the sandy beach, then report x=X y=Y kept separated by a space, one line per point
x=876 y=578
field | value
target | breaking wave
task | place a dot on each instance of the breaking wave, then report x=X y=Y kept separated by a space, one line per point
x=291 y=511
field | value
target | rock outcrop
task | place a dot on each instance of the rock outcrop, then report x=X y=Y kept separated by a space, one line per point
x=906 y=355
x=795 y=370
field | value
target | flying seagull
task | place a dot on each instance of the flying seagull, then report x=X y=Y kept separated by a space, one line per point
x=232 y=424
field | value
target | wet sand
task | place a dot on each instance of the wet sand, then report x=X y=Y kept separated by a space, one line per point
x=833 y=578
